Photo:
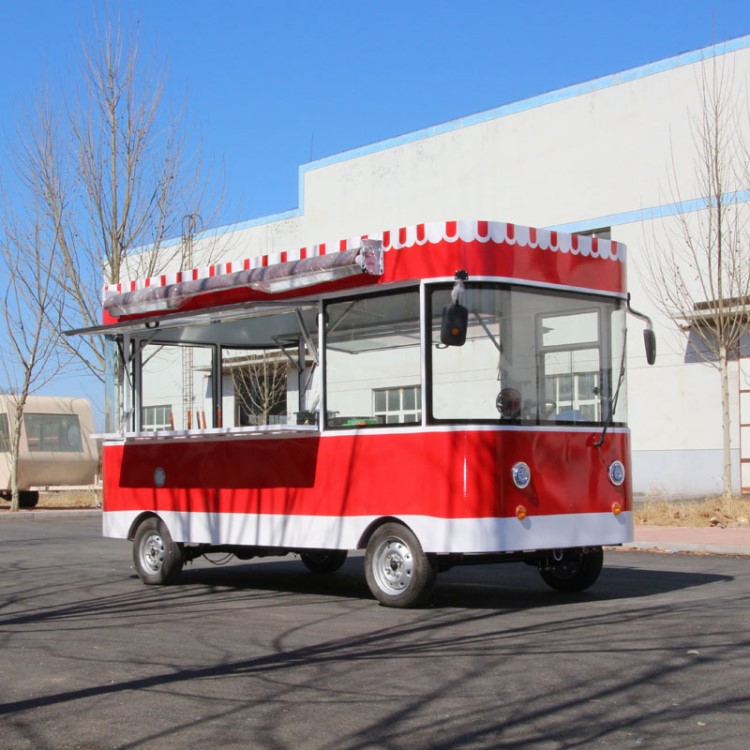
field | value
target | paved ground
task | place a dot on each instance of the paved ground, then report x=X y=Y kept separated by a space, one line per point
x=264 y=655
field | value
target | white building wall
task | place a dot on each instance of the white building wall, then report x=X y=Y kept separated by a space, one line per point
x=604 y=153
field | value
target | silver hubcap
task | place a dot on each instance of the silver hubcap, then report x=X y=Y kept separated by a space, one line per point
x=152 y=553
x=393 y=566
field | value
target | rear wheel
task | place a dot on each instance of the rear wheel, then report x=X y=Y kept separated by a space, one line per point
x=28 y=498
x=398 y=571
x=323 y=561
x=157 y=558
x=575 y=571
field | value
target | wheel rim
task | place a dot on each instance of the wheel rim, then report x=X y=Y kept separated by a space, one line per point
x=393 y=565
x=152 y=552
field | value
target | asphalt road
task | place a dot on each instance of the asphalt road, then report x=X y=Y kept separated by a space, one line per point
x=267 y=655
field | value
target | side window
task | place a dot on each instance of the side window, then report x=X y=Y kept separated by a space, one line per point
x=176 y=389
x=60 y=433
x=256 y=387
x=222 y=372
x=373 y=370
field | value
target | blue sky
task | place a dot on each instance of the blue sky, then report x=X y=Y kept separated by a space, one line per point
x=271 y=85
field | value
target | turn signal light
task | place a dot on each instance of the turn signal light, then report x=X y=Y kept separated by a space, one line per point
x=616 y=508
x=520 y=512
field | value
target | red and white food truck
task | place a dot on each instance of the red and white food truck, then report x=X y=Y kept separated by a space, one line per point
x=442 y=394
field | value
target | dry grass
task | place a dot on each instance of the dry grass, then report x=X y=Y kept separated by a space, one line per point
x=713 y=511
x=73 y=498
x=85 y=498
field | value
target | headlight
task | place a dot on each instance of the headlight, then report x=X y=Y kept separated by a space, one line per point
x=521 y=474
x=616 y=473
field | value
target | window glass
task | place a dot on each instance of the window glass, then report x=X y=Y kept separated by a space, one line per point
x=373 y=360
x=531 y=356
x=53 y=432
x=569 y=330
x=177 y=378
x=256 y=387
x=158 y=417
x=467 y=380
x=398 y=405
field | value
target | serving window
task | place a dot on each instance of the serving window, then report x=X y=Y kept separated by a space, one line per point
x=373 y=360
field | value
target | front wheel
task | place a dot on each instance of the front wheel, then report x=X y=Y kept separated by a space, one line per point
x=323 y=561
x=157 y=558
x=575 y=571
x=398 y=571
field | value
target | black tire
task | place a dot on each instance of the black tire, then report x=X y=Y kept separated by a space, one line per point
x=398 y=571
x=156 y=557
x=28 y=498
x=575 y=572
x=323 y=562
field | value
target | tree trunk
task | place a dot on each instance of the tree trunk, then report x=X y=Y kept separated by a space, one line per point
x=14 y=452
x=726 y=425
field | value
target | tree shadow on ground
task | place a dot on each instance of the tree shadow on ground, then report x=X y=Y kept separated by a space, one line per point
x=501 y=586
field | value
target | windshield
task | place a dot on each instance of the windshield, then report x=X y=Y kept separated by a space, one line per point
x=531 y=357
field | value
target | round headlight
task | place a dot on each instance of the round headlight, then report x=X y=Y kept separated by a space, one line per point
x=616 y=473
x=521 y=474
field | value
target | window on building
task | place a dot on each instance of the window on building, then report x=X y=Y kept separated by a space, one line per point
x=53 y=432
x=602 y=233
x=398 y=405
x=157 y=417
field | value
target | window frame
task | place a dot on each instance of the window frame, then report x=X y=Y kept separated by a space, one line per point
x=331 y=419
x=597 y=301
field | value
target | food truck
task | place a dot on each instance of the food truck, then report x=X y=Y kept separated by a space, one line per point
x=436 y=395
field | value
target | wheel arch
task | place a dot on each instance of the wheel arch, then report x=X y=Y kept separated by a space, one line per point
x=373 y=526
x=139 y=519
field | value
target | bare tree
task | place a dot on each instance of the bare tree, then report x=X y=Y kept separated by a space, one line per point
x=260 y=382
x=699 y=272
x=112 y=170
x=30 y=303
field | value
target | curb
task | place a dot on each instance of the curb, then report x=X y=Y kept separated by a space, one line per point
x=38 y=514
x=675 y=547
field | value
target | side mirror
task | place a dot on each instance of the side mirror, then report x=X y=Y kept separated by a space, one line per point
x=649 y=337
x=453 y=328
x=649 y=341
